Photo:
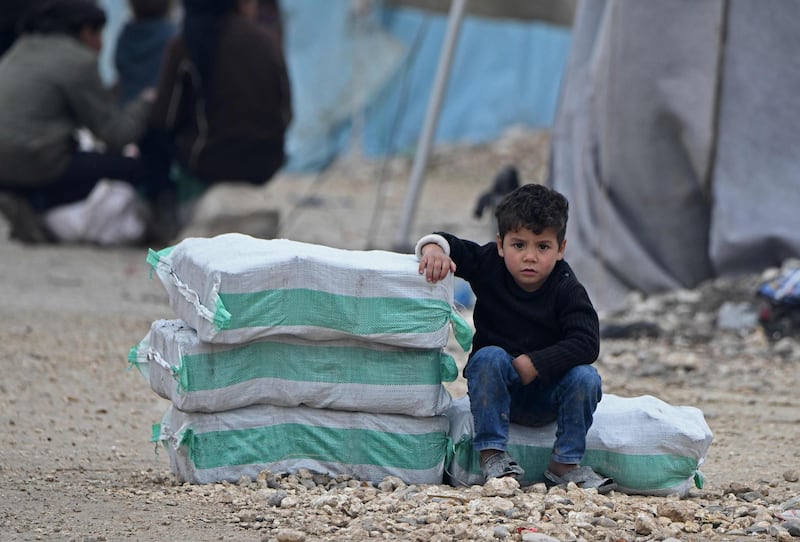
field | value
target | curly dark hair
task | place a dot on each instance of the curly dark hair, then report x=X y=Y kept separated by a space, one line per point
x=534 y=207
x=62 y=17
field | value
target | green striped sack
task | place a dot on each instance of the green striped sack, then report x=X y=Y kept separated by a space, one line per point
x=343 y=375
x=211 y=447
x=647 y=446
x=234 y=288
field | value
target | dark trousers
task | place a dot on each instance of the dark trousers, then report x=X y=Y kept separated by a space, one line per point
x=85 y=170
x=148 y=174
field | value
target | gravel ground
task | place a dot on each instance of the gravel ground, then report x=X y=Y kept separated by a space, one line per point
x=76 y=462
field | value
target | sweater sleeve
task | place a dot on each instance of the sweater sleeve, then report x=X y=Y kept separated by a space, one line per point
x=580 y=334
x=431 y=238
x=466 y=254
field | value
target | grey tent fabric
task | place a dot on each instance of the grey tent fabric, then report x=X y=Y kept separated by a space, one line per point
x=653 y=143
x=756 y=184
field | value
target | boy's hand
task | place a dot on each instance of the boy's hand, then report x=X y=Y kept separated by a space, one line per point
x=435 y=264
x=525 y=368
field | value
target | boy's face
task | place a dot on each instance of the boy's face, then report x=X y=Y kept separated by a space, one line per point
x=530 y=258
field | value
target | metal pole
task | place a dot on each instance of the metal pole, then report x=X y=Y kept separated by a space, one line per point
x=402 y=243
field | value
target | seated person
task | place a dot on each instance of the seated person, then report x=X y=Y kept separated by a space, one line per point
x=536 y=335
x=224 y=102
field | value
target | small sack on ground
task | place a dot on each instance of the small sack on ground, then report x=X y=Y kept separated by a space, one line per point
x=340 y=375
x=647 y=446
x=111 y=215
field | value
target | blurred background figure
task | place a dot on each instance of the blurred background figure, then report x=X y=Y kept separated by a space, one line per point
x=140 y=46
x=505 y=182
x=50 y=88
x=10 y=16
x=269 y=16
x=224 y=100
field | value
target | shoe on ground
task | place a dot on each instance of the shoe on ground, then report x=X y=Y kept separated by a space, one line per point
x=501 y=464
x=584 y=477
x=24 y=224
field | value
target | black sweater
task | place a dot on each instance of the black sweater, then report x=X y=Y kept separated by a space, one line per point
x=557 y=325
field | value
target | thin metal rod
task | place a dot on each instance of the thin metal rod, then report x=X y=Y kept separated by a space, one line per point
x=402 y=242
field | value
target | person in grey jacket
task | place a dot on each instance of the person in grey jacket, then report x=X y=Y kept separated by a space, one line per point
x=50 y=88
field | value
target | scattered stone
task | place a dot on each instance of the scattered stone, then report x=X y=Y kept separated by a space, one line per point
x=247 y=516
x=793 y=527
x=752 y=496
x=290 y=535
x=500 y=487
x=501 y=532
x=677 y=511
x=741 y=316
x=537 y=537
x=645 y=524
x=391 y=483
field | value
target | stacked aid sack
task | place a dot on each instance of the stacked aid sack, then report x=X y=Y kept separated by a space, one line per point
x=288 y=355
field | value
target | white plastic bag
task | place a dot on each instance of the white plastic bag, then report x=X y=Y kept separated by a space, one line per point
x=111 y=215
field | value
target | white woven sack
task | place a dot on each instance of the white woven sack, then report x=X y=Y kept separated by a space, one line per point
x=648 y=446
x=111 y=215
x=340 y=375
x=234 y=288
x=208 y=448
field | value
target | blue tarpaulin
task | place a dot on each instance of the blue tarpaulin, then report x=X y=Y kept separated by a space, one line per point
x=364 y=80
x=504 y=73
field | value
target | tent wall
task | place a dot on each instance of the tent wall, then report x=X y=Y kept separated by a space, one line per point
x=756 y=182
x=505 y=72
x=650 y=136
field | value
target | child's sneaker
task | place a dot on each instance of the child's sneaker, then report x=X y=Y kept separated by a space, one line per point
x=499 y=465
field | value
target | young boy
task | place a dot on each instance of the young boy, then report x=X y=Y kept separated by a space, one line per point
x=536 y=334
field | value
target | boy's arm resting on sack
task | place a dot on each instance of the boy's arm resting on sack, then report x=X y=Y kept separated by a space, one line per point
x=433 y=253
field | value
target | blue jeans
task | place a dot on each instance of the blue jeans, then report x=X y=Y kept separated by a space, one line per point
x=497 y=398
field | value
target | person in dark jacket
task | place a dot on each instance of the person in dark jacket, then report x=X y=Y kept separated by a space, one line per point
x=224 y=99
x=536 y=334
x=141 y=45
x=50 y=88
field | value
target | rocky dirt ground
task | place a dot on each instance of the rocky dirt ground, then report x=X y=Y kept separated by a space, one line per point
x=76 y=462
